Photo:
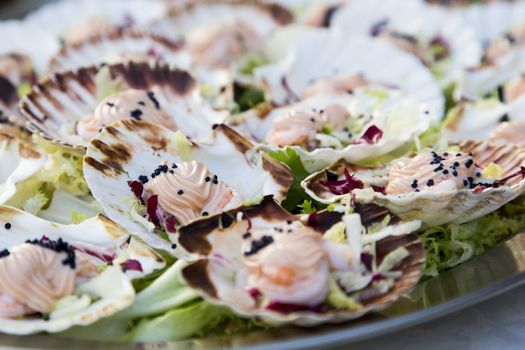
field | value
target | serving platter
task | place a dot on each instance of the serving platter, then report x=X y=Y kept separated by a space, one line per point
x=498 y=270
x=486 y=276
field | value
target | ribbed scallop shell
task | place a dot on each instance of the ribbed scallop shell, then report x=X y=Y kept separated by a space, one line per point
x=321 y=54
x=56 y=18
x=63 y=98
x=257 y=123
x=183 y=17
x=436 y=208
x=116 y=47
x=202 y=239
x=491 y=21
x=112 y=288
x=421 y=21
x=128 y=149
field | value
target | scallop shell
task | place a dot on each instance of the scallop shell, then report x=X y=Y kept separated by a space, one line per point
x=19 y=162
x=55 y=104
x=117 y=47
x=436 y=208
x=30 y=40
x=112 y=288
x=56 y=18
x=321 y=54
x=186 y=16
x=491 y=21
x=478 y=119
x=418 y=20
x=128 y=149
x=203 y=239
x=396 y=109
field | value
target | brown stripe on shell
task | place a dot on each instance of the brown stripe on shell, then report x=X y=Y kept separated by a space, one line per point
x=8 y=213
x=373 y=213
x=241 y=143
x=197 y=276
x=140 y=75
x=411 y=268
x=115 y=155
x=508 y=156
x=114 y=229
x=102 y=167
x=193 y=237
x=131 y=34
x=151 y=133
x=8 y=93
x=280 y=172
x=324 y=220
x=279 y=14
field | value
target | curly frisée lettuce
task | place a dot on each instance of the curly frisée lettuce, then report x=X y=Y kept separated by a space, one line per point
x=452 y=244
x=58 y=191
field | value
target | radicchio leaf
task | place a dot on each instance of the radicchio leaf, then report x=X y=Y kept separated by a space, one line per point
x=347 y=185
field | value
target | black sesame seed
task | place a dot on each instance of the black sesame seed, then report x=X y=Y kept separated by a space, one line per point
x=110 y=104
x=151 y=96
x=164 y=168
x=417 y=190
x=180 y=192
x=172 y=172
x=4 y=253
x=205 y=213
x=456 y=163
x=246 y=235
x=445 y=154
x=142 y=103
x=143 y=179
x=174 y=166
x=430 y=183
x=312 y=120
x=174 y=246
x=7 y=226
x=214 y=126
x=478 y=174
x=157 y=171
x=445 y=171
x=331 y=176
x=207 y=179
x=439 y=168
x=504 y=118
x=136 y=114
x=469 y=163
x=465 y=182
x=226 y=220
x=289 y=222
x=414 y=184
x=257 y=245
x=455 y=173
x=458 y=154
x=470 y=179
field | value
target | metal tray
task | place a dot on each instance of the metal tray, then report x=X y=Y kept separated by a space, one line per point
x=495 y=272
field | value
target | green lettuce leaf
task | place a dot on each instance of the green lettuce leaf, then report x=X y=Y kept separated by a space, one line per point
x=452 y=244
x=164 y=309
x=297 y=199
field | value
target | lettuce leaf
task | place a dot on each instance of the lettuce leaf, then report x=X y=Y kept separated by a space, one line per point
x=62 y=177
x=297 y=198
x=165 y=309
x=452 y=244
